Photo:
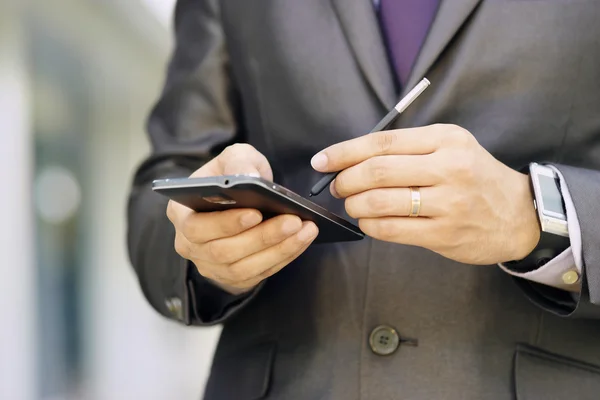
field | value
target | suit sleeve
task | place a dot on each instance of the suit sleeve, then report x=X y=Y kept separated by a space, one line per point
x=583 y=186
x=196 y=116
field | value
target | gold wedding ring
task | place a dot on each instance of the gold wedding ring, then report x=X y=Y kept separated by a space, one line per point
x=415 y=201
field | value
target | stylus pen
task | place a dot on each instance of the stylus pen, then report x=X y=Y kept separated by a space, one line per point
x=381 y=126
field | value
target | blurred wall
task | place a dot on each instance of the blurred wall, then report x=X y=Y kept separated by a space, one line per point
x=17 y=290
x=88 y=72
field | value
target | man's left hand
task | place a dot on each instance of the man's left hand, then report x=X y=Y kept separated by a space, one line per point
x=474 y=209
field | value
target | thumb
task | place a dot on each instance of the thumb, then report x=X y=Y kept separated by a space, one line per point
x=235 y=167
x=238 y=159
x=243 y=159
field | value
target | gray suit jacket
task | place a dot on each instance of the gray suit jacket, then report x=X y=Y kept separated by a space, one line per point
x=292 y=77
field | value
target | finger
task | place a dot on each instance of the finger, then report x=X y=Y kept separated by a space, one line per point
x=182 y=246
x=243 y=159
x=188 y=250
x=237 y=159
x=200 y=228
x=262 y=261
x=388 y=171
x=422 y=140
x=273 y=270
x=404 y=230
x=232 y=249
x=394 y=202
x=332 y=190
x=177 y=212
x=211 y=168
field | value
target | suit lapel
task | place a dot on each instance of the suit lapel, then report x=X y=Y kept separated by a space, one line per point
x=450 y=17
x=361 y=28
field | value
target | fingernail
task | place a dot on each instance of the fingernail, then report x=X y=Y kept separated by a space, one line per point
x=250 y=219
x=319 y=161
x=291 y=226
x=334 y=192
x=307 y=233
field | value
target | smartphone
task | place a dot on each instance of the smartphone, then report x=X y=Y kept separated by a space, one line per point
x=221 y=193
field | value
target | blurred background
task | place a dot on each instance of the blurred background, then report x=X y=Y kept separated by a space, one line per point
x=77 y=79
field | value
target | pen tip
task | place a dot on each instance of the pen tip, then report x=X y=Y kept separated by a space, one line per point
x=310 y=194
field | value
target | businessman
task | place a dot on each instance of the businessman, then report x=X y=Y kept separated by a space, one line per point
x=480 y=274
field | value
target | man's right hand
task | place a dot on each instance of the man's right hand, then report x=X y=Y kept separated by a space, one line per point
x=236 y=249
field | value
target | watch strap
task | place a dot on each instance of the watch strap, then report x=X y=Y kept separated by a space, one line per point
x=548 y=247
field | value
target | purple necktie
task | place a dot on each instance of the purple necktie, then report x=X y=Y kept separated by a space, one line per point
x=405 y=24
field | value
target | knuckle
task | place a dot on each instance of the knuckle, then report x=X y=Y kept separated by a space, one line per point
x=217 y=252
x=249 y=283
x=170 y=212
x=231 y=225
x=215 y=273
x=266 y=235
x=239 y=274
x=265 y=274
x=226 y=279
x=447 y=206
x=380 y=229
x=223 y=274
x=440 y=159
x=387 y=229
x=290 y=249
x=210 y=274
x=460 y=205
x=384 y=141
x=238 y=148
x=459 y=136
x=181 y=247
x=446 y=237
x=438 y=135
x=378 y=202
x=378 y=170
x=447 y=243
x=368 y=227
x=440 y=127
x=463 y=166
x=189 y=229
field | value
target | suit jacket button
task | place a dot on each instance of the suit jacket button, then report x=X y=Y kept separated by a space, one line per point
x=175 y=307
x=384 y=340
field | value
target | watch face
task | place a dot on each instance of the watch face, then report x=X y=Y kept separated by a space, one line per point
x=551 y=196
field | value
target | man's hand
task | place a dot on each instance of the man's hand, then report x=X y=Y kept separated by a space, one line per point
x=234 y=248
x=474 y=209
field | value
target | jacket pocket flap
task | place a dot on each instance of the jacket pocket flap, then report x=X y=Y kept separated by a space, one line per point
x=243 y=374
x=543 y=375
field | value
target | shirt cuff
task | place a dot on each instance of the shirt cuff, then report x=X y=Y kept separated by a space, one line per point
x=563 y=271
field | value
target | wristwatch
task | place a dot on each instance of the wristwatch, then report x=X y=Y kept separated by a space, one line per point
x=548 y=200
x=552 y=217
